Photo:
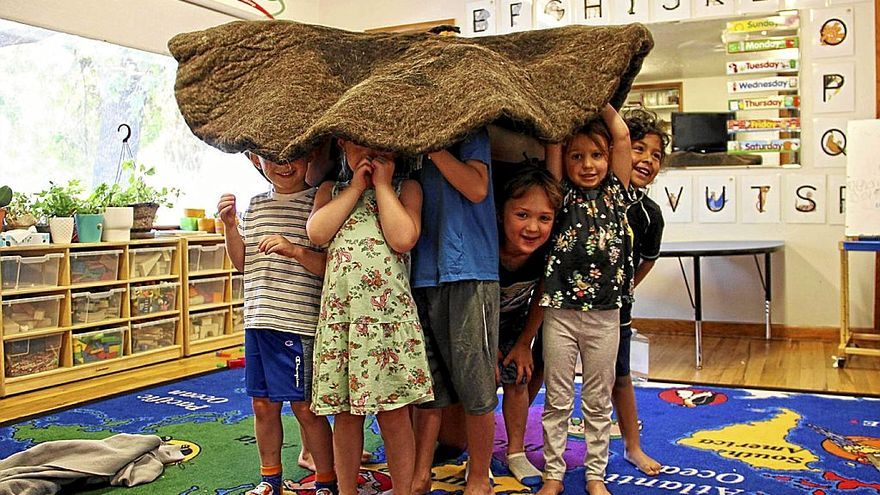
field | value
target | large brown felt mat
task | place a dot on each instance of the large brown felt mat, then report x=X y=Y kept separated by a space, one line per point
x=280 y=87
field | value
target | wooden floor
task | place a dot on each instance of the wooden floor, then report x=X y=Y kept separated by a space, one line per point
x=780 y=364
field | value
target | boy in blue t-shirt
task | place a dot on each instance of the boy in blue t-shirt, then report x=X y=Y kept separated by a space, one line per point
x=455 y=285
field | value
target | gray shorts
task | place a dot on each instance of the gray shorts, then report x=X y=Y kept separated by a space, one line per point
x=460 y=321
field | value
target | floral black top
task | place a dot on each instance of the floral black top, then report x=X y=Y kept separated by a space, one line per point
x=589 y=253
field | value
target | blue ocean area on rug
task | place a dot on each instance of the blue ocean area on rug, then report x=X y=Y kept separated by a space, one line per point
x=710 y=440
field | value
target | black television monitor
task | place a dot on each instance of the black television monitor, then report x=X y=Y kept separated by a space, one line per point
x=703 y=132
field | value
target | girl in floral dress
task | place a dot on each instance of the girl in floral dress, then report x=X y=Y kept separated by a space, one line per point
x=369 y=350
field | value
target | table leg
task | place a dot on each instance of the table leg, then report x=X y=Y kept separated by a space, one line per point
x=698 y=314
x=766 y=295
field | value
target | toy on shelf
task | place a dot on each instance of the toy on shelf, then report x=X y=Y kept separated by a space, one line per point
x=31 y=313
x=149 y=299
x=35 y=355
x=94 y=266
x=97 y=346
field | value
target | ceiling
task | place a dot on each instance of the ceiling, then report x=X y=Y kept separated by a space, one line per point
x=685 y=50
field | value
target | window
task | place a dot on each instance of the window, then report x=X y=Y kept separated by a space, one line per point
x=63 y=98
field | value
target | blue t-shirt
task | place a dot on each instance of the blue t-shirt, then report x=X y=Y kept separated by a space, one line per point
x=459 y=238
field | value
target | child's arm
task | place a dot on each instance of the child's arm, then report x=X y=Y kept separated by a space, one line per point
x=642 y=271
x=400 y=218
x=313 y=261
x=621 y=150
x=329 y=213
x=553 y=159
x=234 y=242
x=521 y=353
x=470 y=178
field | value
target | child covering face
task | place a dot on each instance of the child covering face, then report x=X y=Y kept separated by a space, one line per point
x=369 y=350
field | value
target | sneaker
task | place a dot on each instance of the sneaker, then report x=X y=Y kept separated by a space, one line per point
x=263 y=489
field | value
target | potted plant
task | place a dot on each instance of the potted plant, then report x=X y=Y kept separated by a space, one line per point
x=5 y=199
x=20 y=212
x=145 y=198
x=89 y=221
x=57 y=204
x=118 y=216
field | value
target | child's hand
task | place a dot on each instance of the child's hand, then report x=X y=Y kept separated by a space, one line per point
x=277 y=243
x=363 y=176
x=521 y=356
x=226 y=208
x=383 y=170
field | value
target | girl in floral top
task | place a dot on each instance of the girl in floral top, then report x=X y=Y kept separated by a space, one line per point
x=583 y=285
x=369 y=350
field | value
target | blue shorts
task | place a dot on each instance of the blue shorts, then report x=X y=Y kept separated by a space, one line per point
x=621 y=367
x=278 y=365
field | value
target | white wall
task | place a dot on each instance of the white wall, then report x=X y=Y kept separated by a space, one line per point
x=146 y=25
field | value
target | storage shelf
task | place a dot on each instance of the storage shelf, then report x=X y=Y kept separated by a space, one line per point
x=64 y=292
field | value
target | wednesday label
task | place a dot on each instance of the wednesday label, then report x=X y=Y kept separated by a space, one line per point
x=763 y=84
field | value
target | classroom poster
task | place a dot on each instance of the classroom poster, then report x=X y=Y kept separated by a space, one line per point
x=716 y=199
x=836 y=199
x=757 y=6
x=674 y=194
x=759 y=197
x=479 y=19
x=552 y=13
x=863 y=178
x=516 y=16
x=834 y=88
x=829 y=142
x=670 y=10
x=629 y=11
x=832 y=34
x=804 y=199
x=715 y=8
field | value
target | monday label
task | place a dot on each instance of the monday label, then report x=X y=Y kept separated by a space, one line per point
x=763 y=84
x=763 y=45
x=757 y=66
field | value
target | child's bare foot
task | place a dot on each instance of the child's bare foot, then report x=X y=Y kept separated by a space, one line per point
x=597 y=487
x=421 y=486
x=476 y=488
x=642 y=461
x=305 y=460
x=551 y=487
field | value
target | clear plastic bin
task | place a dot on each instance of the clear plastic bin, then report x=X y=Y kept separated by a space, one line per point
x=100 y=345
x=153 y=335
x=207 y=325
x=33 y=355
x=237 y=287
x=203 y=257
x=206 y=290
x=21 y=272
x=149 y=299
x=150 y=261
x=238 y=319
x=90 y=307
x=94 y=266
x=31 y=313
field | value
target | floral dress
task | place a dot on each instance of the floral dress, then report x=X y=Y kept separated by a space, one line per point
x=369 y=347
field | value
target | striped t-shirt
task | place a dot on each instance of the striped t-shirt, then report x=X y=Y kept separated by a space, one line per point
x=279 y=293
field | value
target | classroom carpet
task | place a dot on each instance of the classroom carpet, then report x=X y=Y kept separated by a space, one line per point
x=711 y=441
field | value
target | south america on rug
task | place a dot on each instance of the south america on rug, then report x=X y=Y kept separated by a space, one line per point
x=711 y=441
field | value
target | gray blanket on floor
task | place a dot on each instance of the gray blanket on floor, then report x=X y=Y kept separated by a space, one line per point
x=121 y=460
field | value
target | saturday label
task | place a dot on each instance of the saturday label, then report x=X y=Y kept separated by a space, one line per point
x=752 y=125
x=762 y=45
x=754 y=66
x=770 y=146
x=774 y=23
x=763 y=84
x=770 y=102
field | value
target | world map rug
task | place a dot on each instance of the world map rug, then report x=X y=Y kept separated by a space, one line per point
x=710 y=440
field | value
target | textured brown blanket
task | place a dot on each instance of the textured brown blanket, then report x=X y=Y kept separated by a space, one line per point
x=280 y=87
